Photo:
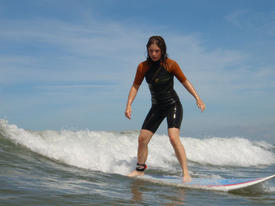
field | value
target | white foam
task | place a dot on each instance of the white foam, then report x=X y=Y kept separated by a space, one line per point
x=116 y=152
x=271 y=189
x=229 y=152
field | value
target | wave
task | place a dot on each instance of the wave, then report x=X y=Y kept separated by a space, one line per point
x=115 y=152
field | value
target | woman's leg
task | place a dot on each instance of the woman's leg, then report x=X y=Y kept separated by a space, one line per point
x=143 y=141
x=150 y=125
x=174 y=135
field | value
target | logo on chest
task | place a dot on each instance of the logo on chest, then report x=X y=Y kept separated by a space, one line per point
x=156 y=80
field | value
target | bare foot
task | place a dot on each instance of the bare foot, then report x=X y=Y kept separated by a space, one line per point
x=135 y=174
x=186 y=178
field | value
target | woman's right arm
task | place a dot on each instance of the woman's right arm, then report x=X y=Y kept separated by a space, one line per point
x=131 y=97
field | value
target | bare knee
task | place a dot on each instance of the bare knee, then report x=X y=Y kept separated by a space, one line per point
x=174 y=139
x=145 y=137
x=142 y=140
x=174 y=136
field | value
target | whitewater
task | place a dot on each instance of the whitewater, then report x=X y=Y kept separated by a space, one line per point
x=111 y=155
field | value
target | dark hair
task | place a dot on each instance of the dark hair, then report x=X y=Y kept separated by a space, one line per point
x=158 y=40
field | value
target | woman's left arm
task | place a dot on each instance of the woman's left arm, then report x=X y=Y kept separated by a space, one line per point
x=192 y=91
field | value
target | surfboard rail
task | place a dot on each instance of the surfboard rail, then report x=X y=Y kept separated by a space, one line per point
x=225 y=185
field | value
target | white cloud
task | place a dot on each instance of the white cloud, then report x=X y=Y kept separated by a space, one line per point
x=106 y=50
x=98 y=48
x=256 y=21
x=235 y=18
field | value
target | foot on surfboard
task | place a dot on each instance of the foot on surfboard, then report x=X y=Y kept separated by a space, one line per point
x=135 y=174
x=186 y=178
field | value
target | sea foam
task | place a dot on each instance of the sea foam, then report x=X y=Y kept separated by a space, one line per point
x=115 y=152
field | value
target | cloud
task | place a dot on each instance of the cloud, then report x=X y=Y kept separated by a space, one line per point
x=54 y=50
x=235 y=18
x=86 y=39
x=107 y=51
x=256 y=21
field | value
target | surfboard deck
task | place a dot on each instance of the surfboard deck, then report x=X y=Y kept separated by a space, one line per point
x=225 y=185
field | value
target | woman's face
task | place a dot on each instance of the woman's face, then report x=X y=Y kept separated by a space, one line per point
x=154 y=52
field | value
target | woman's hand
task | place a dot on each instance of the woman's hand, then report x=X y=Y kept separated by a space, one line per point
x=192 y=91
x=200 y=104
x=128 y=112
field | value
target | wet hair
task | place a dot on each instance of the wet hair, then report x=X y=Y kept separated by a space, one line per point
x=158 y=40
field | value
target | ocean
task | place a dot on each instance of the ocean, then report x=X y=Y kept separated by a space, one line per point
x=88 y=168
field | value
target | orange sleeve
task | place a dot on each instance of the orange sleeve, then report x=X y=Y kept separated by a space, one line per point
x=176 y=70
x=141 y=69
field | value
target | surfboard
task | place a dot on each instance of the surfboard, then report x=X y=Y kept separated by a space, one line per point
x=217 y=184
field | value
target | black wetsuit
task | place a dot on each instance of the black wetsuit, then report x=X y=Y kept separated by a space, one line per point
x=165 y=101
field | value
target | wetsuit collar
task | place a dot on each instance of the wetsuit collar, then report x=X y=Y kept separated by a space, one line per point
x=156 y=63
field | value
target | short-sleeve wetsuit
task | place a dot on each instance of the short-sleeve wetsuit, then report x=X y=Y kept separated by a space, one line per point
x=165 y=101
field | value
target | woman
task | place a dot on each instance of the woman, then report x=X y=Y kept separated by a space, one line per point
x=159 y=72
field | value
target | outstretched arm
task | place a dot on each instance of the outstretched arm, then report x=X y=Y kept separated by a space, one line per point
x=131 y=97
x=192 y=91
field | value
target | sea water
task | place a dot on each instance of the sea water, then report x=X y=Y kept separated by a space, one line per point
x=88 y=168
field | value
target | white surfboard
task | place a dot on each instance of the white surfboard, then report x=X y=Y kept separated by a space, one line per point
x=208 y=183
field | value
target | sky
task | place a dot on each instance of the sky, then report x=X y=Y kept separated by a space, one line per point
x=70 y=64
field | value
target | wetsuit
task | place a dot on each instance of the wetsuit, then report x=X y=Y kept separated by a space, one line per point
x=165 y=101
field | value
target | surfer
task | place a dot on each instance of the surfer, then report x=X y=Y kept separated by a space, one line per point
x=159 y=72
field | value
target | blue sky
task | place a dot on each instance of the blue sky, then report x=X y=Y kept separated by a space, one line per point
x=70 y=64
